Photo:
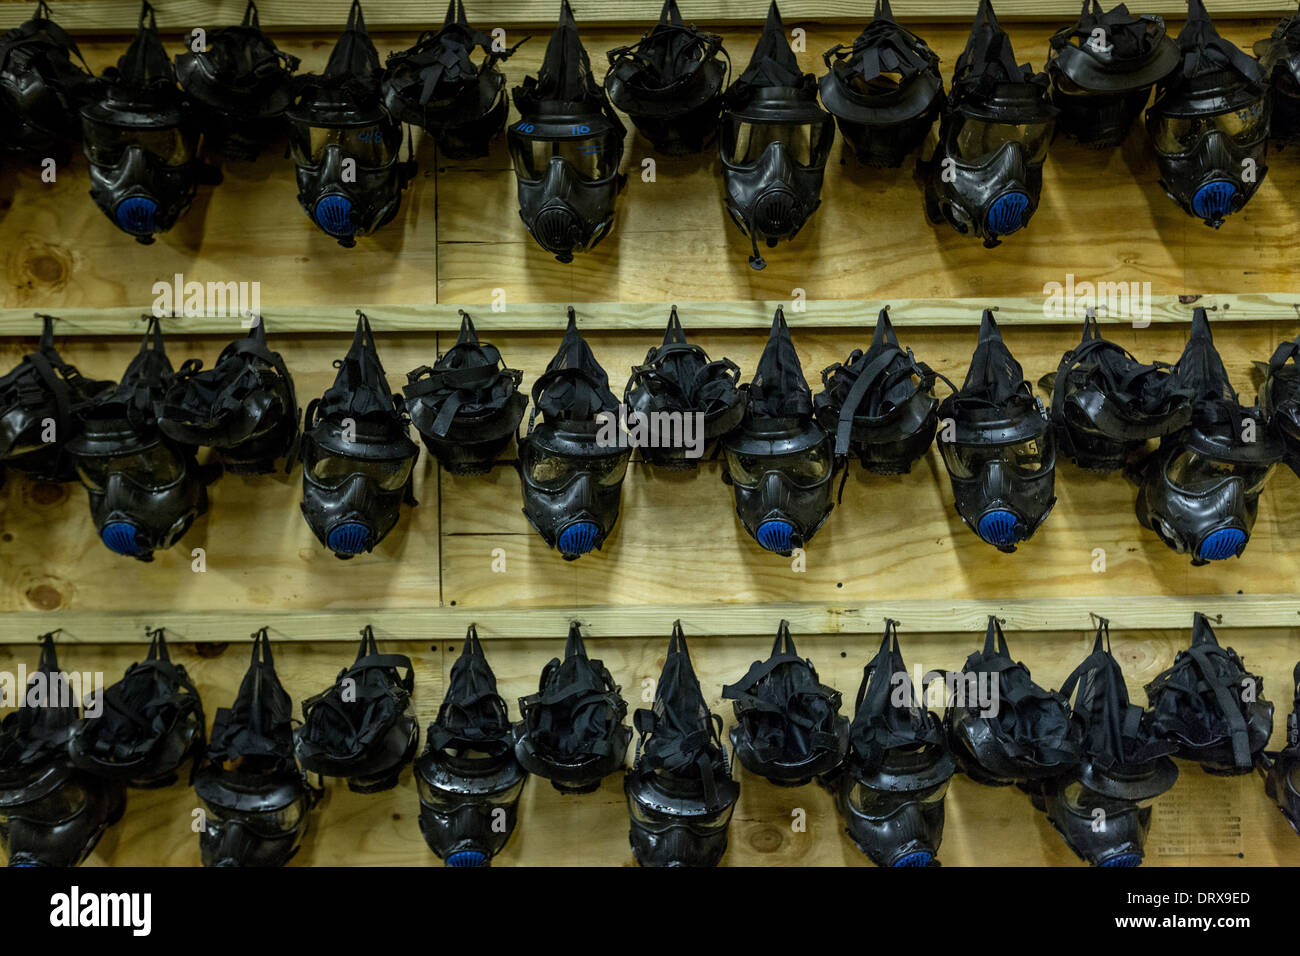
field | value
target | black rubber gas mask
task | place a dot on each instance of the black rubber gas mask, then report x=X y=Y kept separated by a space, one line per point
x=885 y=90
x=1279 y=400
x=1210 y=123
x=145 y=489
x=151 y=722
x=244 y=406
x=468 y=778
x=571 y=731
x=467 y=406
x=241 y=84
x=774 y=143
x=43 y=402
x=880 y=404
x=1102 y=71
x=1281 y=770
x=256 y=800
x=686 y=402
x=1279 y=62
x=680 y=793
x=566 y=148
x=1199 y=491
x=345 y=144
x=357 y=456
x=670 y=83
x=998 y=446
x=986 y=174
x=891 y=786
x=788 y=728
x=437 y=86
x=1106 y=405
x=571 y=467
x=51 y=813
x=779 y=461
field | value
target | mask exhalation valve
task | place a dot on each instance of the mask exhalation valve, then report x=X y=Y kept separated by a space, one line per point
x=578 y=538
x=136 y=215
x=775 y=535
x=1007 y=214
x=1214 y=199
x=1222 y=544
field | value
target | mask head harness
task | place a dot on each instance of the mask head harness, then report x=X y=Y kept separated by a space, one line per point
x=51 y=813
x=141 y=137
x=774 y=143
x=241 y=83
x=1106 y=405
x=677 y=381
x=987 y=173
x=40 y=392
x=571 y=731
x=42 y=87
x=358 y=459
x=151 y=722
x=245 y=406
x=1209 y=123
x=885 y=90
x=891 y=786
x=1125 y=765
x=1210 y=706
x=362 y=727
x=1102 y=71
x=779 y=461
x=468 y=778
x=1002 y=458
x=437 y=86
x=680 y=792
x=572 y=466
x=145 y=488
x=1279 y=400
x=468 y=406
x=339 y=116
x=788 y=728
x=1279 y=62
x=670 y=83
x=566 y=148
x=1009 y=730
x=1199 y=491
x=1281 y=770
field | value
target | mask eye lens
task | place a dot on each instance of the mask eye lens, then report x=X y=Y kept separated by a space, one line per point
x=106 y=144
x=389 y=474
x=592 y=156
x=803 y=468
x=878 y=804
x=805 y=143
x=368 y=145
x=1194 y=472
x=155 y=467
x=978 y=140
x=610 y=471
x=56 y=807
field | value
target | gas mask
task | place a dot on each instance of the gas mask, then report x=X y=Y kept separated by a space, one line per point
x=468 y=406
x=468 y=778
x=1106 y=405
x=885 y=90
x=680 y=793
x=51 y=813
x=774 y=143
x=363 y=727
x=1103 y=809
x=571 y=731
x=1279 y=62
x=1102 y=71
x=678 y=383
x=241 y=84
x=151 y=722
x=1209 y=123
x=42 y=89
x=1199 y=491
x=879 y=405
x=345 y=144
x=357 y=457
x=670 y=83
x=1210 y=706
x=437 y=86
x=1281 y=770
x=986 y=173
x=788 y=724
x=1002 y=727
x=142 y=140
x=145 y=489
x=1000 y=455
x=571 y=467
x=779 y=461
x=256 y=800
x=891 y=786
x=43 y=402
x=244 y=406
x=1279 y=400
x=566 y=148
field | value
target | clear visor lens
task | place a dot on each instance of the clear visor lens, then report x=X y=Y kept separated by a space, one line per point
x=1026 y=458
x=156 y=467
x=883 y=803
x=1180 y=134
x=549 y=470
x=370 y=145
x=442 y=800
x=1194 y=472
x=978 y=140
x=330 y=471
x=272 y=823
x=1085 y=800
x=805 y=468
x=807 y=144
x=655 y=820
x=58 y=806
x=592 y=157
x=106 y=144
